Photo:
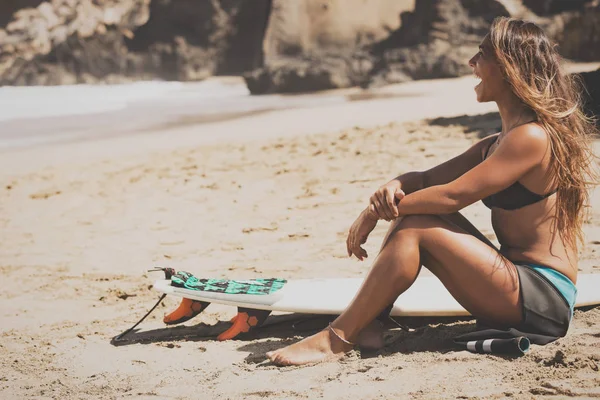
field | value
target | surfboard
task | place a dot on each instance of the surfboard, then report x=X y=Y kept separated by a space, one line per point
x=256 y=298
x=427 y=297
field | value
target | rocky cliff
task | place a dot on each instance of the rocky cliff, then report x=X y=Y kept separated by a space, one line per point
x=67 y=41
x=434 y=40
x=578 y=32
x=75 y=41
x=279 y=45
x=317 y=44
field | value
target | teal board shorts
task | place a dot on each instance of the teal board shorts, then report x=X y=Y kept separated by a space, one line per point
x=548 y=298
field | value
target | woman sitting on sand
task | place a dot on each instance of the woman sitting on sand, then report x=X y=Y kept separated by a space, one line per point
x=532 y=176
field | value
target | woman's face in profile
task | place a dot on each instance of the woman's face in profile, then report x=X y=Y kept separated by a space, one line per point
x=486 y=68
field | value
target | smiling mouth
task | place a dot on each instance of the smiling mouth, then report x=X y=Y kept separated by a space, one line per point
x=478 y=77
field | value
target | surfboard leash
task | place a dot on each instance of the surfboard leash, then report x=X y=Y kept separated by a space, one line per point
x=119 y=338
x=398 y=324
x=385 y=315
x=115 y=341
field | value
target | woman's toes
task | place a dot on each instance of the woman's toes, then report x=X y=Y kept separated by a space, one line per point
x=273 y=355
x=283 y=361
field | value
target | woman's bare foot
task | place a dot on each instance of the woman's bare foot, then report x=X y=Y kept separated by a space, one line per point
x=322 y=346
x=371 y=337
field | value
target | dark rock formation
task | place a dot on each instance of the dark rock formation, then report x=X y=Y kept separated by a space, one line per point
x=280 y=45
x=578 y=33
x=435 y=41
x=67 y=41
x=552 y=7
x=190 y=39
x=305 y=75
x=439 y=37
x=70 y=41
x=591 y=82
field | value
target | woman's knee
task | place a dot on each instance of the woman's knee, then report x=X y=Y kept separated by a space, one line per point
x=409 y=227
x=413 y=224
x=418 y=221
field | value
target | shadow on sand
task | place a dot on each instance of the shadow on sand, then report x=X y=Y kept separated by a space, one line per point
x=426 y=334
x=293 y=327
x=276 y=326
x=482 y=125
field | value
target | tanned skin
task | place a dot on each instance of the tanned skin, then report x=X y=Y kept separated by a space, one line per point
x=428 y=231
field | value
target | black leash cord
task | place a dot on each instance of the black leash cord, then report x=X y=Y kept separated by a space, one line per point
x=119 y=338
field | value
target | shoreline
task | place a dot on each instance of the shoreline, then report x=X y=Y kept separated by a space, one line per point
x=283 y=115
x=398 y=103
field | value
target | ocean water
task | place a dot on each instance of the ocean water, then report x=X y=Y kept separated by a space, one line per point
x=51 y=101
x=48 y=114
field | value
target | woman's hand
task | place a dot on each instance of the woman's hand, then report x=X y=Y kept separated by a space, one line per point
x=359 y=232
x=384 y=200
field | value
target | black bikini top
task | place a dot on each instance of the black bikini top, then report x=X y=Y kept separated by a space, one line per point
x=513 y=197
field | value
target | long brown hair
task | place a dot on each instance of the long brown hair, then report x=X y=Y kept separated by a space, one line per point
x=532 y=67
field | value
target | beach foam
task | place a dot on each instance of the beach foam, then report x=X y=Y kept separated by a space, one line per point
x=49 y=101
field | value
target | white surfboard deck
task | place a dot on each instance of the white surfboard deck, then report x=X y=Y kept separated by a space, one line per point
x=426 y=297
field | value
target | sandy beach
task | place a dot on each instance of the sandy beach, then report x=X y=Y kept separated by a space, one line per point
x=268 y=195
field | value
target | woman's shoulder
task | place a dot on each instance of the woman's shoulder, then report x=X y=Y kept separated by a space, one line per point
x=528 y=141
x=530 y=134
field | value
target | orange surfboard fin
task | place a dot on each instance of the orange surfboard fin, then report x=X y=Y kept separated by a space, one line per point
x=187 y=310
x=246 y=320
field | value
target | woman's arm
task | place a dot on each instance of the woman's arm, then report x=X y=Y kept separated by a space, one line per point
x=519 y=152
x=411 y=182
x=457 y=166
x=447 y=171
x=383 y=201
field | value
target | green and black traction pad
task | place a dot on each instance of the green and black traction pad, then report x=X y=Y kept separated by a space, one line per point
x=260 y=286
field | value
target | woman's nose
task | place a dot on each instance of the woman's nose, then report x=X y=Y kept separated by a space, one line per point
x=472 y=61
